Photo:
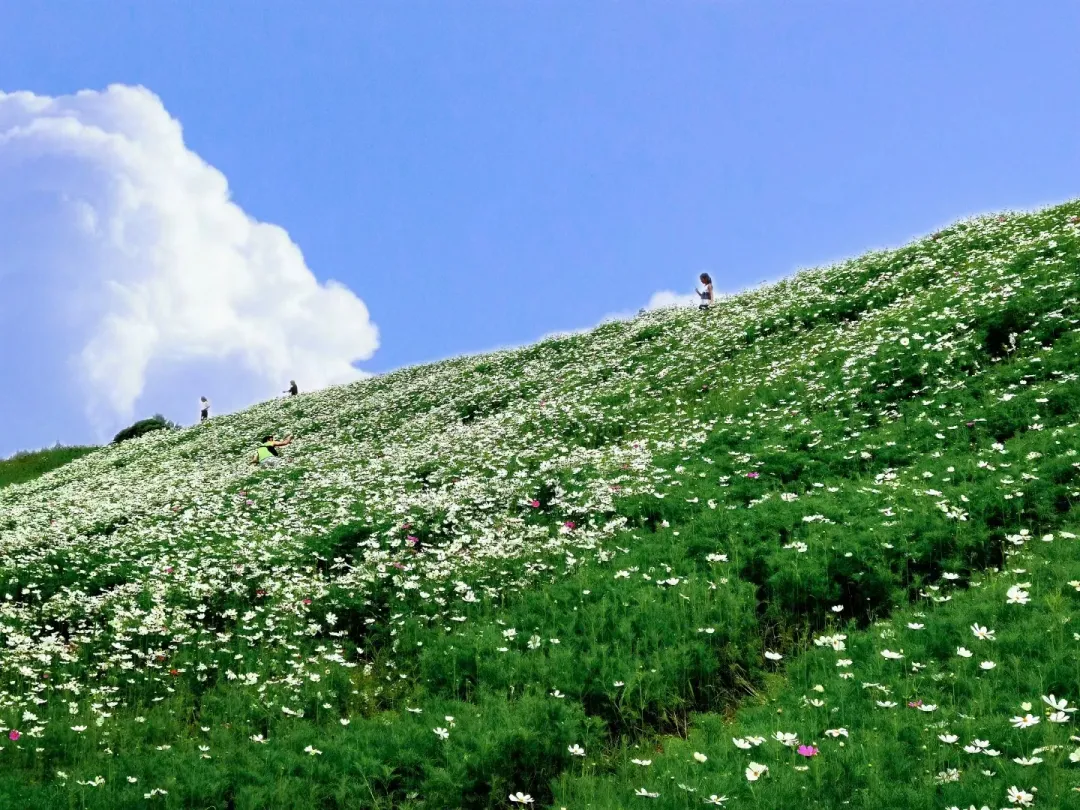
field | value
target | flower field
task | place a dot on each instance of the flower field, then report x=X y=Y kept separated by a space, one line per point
x=812 y=548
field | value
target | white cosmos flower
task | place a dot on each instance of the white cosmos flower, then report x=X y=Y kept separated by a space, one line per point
x=521 y=798
x=576 y=750
x=755 y=771
x=963 y=652
x=948 y=739
x=836 y=732
x=1027 y=721
x=1020 y=797
x=1017 y=595
x=987 y=665
x=1027 y=760
x=982 y=633
x=892 y=656
x=773 y=656
x=645 y=794
x=700 y=757
x=1053 y=702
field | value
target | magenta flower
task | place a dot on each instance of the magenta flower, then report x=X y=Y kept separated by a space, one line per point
x=807 y=751
x=753 y=475
x=914 y=704
x=14 y=735
x=569 y=524
x=534 y=504
x=412 y=541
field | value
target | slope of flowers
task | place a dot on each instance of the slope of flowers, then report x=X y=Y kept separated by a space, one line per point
x=509 y=579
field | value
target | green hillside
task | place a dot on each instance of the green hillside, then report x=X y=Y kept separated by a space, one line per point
x=812 y=548
x=23 y=467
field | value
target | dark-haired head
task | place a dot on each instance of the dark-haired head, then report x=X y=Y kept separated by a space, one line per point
x=706 y=278
x=269 y=437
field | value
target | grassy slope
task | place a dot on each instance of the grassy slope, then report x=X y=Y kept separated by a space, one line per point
x=592 y=542
x=24 y=467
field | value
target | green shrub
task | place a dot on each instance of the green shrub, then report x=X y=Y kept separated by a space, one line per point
x=144 y=426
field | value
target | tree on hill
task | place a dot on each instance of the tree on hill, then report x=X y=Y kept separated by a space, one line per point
x=144 y=426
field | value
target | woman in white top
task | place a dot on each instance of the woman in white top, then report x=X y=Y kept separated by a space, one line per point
x=706 y=295
x=204 y=409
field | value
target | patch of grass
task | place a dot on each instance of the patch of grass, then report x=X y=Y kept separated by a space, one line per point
x=28 y=465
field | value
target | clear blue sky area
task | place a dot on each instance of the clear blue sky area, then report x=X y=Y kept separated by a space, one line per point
x=483 y=173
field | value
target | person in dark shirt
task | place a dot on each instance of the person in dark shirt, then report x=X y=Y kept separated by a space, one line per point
x=292 y=390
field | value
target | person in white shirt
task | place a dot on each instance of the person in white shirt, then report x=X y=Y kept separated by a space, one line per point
x=204 y=409
x=706 y=294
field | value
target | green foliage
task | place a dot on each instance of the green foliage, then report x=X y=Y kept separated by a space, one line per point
x=28 y=465
x=144 y=426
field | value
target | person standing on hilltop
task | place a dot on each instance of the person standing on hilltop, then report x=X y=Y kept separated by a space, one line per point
x=204 y=409
x=292 y=390
x=706 y=294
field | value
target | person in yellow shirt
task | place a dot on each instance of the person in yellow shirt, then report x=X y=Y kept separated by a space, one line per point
x=267 y=455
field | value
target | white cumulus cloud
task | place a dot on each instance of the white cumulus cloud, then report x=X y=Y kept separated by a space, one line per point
x=130 y=242
x=666 y=298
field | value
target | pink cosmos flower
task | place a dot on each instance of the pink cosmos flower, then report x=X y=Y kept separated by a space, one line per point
x=914 y=704
x=534 y=504
x=570 y=524
x=14 y=735
x=807 y=751
x=412 y=541
x=753 y=475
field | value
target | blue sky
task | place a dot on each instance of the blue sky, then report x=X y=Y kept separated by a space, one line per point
x=483 y=173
